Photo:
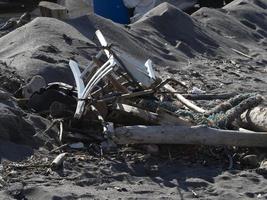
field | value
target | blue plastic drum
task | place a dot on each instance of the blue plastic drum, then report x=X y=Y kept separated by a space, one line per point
x=112 y=9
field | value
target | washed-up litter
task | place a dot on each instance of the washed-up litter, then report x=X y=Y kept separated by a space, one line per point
x=118 y=98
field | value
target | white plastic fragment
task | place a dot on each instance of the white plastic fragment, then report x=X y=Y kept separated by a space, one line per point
x=150 y=70
x=78 y=145
x=196 y=90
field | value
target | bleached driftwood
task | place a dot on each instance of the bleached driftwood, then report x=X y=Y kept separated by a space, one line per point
x=183 y=100
x=255 y=119
x=187 y=135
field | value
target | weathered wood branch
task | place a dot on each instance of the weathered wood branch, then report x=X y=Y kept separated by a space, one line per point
x=187 y=135
x=183 y=100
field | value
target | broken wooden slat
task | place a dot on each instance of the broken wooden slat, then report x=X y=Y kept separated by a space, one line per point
x=199 y=135
x=130 y=115
x=49 y=9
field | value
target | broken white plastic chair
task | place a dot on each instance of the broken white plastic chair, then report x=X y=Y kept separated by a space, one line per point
x=142 y=73
x=84 y=91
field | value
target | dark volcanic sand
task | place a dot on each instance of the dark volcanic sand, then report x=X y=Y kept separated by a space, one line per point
x=201 y=50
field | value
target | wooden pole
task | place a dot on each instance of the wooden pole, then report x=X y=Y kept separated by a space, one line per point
x=199 y=135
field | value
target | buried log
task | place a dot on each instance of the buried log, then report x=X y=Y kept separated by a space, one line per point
x=255 y=119
x=199 y=135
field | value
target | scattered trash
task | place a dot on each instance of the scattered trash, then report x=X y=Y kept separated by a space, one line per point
x=118 y=93
x=97 y=116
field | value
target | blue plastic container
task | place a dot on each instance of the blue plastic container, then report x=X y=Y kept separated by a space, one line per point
x=112 y=9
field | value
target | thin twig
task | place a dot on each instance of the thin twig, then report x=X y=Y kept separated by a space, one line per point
x=241 y=53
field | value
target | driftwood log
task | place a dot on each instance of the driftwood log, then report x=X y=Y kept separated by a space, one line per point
x=255 y=119
x=49 y=9
x=200 y=135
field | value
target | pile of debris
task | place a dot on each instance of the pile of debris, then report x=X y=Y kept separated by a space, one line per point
x=120 y=100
